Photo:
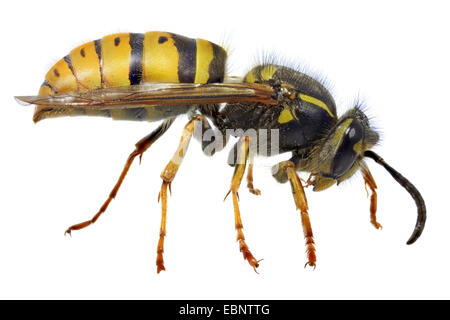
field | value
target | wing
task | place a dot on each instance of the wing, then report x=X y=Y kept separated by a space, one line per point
x=156 y=94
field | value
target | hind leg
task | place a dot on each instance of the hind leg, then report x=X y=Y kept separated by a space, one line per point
x=167 y=175
x=141 y=146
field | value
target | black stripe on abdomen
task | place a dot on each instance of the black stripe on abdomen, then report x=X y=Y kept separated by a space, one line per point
x=98 y=51
x=69 y=64
x=137 y=49
x=217 y=66
x=47 y=84
x=187 y=63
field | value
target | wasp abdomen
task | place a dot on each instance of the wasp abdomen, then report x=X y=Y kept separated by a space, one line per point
x=125 y=59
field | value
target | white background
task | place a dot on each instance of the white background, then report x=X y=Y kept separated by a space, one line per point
x=393 y=55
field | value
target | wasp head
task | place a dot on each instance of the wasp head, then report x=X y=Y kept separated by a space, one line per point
x=340 y=153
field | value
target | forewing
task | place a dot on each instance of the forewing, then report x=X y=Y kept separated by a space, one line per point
x=156 y=94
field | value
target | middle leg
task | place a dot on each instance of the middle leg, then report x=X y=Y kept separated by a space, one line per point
x=301 y=204
x=242 y=156
x=250 y=185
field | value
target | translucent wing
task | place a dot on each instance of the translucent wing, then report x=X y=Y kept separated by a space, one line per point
x=156 y=94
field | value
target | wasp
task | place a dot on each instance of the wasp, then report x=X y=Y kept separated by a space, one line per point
x=160 y=75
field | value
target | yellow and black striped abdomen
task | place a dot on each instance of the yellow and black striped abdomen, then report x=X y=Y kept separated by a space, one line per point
x=125 y=59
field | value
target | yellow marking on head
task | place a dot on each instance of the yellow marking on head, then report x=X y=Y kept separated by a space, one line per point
x=267 y=72
x=86 y=66
x=285 y=116
x=321 y=183
x=316 y=102
x=116 y=56
x=358 y=147
x=160 y=59
x=61 y=77
x=340 y=131
x=325 y=164
x=205 y=55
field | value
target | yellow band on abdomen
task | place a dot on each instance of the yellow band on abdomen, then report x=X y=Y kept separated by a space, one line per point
x=205 y=55
x=86 y=65
x=116 y=55
x=160 y=62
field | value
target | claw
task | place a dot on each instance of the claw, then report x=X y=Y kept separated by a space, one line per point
x=248 y=255
x=377 y=225
x=81 y=225
x=256 y=265
x=160 y=268
x=256 y=192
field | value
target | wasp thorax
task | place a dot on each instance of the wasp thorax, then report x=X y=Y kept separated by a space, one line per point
x=341 y=151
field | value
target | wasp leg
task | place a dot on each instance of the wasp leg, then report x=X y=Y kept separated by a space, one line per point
x=141 y=146
x=233 y=160
x=301 y=204
x=239 y=170
x=369 y=181
x=162 y=232
x=250 y=186
x=167 y=175
x=251 y=158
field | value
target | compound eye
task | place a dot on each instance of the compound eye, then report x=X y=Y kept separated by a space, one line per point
x=346 y=155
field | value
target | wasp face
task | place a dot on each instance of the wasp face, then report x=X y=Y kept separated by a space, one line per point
x=340 y=153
